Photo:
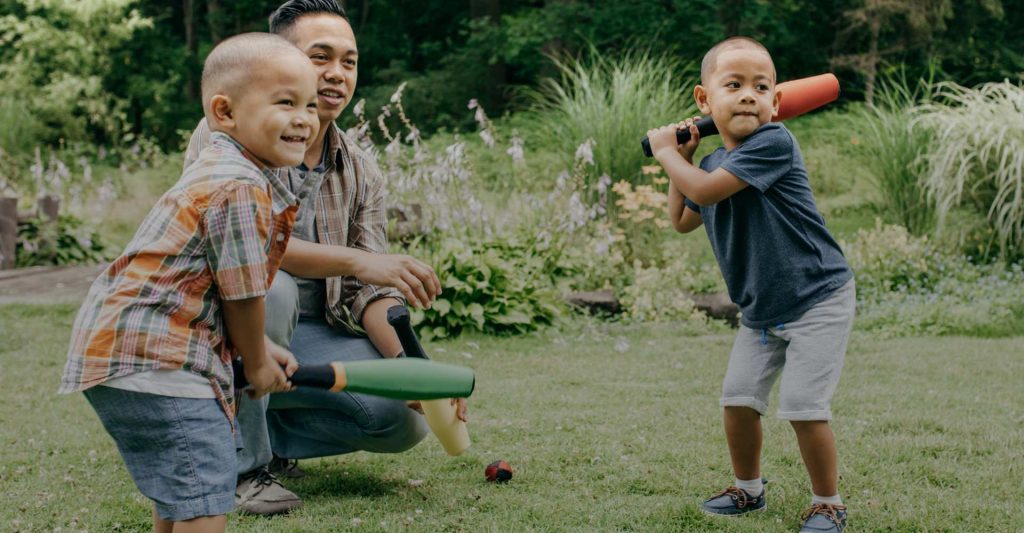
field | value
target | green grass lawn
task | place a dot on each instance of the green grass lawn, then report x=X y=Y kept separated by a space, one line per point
x=929 y=432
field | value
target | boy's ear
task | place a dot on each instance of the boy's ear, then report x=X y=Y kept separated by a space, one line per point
x=221 y=112
x=776 y=102
x=700 y=95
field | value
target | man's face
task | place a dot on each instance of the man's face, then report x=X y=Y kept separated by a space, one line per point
x=329 y=42
x=740 y=94
x=276 y=117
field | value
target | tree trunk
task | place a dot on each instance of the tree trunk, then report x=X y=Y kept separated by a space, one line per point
x=365 y=13
x=871 y=63
x=496 y=75
x=215 y=20
x=553 y=47
x=8 y=232
x=192 y=48
x=730 y=13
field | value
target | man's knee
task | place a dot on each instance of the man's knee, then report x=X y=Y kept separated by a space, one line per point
x=395 y=427
x=282 y=304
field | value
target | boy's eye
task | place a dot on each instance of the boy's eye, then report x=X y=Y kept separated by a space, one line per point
x=311 y=105
x=285 y=102
x=318 y=57
x=350 y=62
x=762 y=87
x=733 y=85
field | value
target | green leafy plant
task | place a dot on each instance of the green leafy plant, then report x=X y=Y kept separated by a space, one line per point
x=64 y=242
x=492 y=287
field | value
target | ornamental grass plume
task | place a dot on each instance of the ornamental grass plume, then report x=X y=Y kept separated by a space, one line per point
x=976 y=158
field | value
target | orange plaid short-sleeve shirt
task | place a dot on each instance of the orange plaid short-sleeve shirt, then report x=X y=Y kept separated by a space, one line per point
x=218 y=234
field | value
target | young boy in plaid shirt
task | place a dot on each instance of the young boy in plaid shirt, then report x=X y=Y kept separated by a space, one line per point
x=153 y=342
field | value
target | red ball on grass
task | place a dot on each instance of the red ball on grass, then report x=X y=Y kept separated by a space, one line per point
x=498 y=471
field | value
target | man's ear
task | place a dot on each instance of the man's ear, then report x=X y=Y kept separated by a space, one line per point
x=700 y=95
x=776 y=102
x=221 y=112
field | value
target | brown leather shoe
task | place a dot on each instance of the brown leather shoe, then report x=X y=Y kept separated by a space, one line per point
x=289 y=468
x=260 y=493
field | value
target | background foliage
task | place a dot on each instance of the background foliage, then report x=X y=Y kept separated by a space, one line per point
x=133 y=66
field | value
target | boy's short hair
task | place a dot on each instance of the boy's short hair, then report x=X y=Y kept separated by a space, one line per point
x=708 y=65
x=237 y=61
x=284 y=17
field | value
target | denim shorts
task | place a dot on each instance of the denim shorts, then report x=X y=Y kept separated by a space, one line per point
x=808 y=352
x=179 y=451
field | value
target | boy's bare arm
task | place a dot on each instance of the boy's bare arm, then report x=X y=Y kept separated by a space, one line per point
x=244 y=321
x=683 y=219
x=704 y=188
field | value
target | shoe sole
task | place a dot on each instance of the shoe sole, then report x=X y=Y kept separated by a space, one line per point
x=736 y=515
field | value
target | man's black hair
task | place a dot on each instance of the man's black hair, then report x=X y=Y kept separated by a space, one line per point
x=284 y=17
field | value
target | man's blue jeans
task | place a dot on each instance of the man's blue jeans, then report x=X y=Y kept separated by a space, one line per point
x=312 y=422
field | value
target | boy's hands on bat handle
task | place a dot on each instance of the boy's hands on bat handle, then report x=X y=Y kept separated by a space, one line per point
x=271 y=372
x=664 y=138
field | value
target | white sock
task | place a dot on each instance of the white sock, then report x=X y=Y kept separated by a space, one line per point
x=831 y=500
x=753 y=487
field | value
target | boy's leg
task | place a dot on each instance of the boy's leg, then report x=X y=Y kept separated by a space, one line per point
x=743 y=432
x=318 y=423
x=160 y=525
x=179 y=451
x=818 y=449
x=817 y=348
x=204 y=524
x=753 y=366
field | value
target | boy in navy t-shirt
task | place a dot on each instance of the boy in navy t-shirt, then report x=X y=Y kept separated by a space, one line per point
x=782 y=268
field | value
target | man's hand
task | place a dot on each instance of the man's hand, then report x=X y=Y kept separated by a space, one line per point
x=461 y=408
x=415 y=279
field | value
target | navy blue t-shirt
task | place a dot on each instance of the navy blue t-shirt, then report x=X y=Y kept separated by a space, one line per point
x=776 y=255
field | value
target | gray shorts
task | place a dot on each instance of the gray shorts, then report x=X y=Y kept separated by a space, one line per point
x=809 y=352
x=179 y=451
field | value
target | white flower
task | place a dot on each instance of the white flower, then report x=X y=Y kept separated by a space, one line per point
x=397 y=97
x=516 y=151
x=487 y=137
x=585 y=152
x=360 y=105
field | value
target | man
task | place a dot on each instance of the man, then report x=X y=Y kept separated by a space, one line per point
x=330 y=301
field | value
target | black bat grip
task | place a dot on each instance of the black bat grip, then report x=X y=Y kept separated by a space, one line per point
x=705 y=126
x=317 y=376
x=398 y=317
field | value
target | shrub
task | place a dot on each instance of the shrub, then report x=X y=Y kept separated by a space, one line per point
x=888 y=258
x=907 y=286
x=491 y=287
x=892 y=149
x=662 y=293
x=613 y=101
x=976 y=158
x=66 y=242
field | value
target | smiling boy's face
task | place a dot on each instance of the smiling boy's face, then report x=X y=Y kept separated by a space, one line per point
x=275 y=117
x=739 y=93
